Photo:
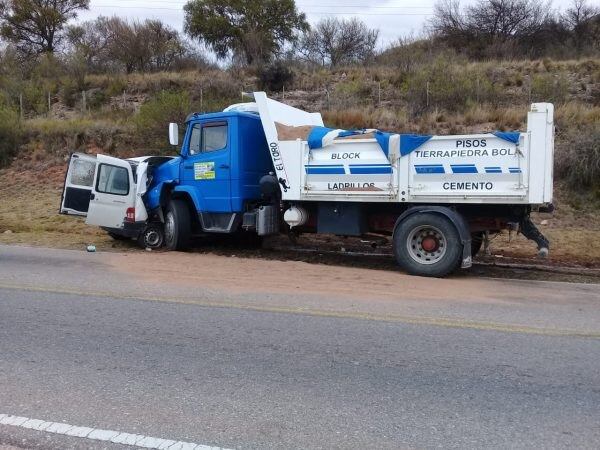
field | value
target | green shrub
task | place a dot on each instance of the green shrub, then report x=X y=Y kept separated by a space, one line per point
x=57 y=138
x=549 y=87
x=68 y=92
x=577 y=158
x=10 y=134
x=155 y=115
x=116 y=86
x=275 y=76
x=450 y=86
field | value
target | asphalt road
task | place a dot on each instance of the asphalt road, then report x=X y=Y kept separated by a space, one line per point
x=97 y=341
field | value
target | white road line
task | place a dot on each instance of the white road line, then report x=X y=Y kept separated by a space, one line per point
x=116 y=437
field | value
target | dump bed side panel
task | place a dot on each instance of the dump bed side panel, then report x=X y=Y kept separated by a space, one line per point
x=475 y=168
x=500 y=168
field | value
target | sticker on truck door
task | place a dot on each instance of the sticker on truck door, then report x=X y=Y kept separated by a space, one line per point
x=204 y=171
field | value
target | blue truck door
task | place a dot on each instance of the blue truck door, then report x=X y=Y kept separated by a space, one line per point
x=207 y=166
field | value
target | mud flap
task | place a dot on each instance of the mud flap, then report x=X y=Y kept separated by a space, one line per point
x=531 y=232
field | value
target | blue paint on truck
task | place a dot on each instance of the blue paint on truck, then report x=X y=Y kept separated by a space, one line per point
x=223 y=157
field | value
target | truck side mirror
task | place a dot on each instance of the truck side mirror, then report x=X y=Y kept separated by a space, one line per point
x=174 y=134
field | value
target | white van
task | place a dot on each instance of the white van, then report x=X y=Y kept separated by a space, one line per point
x=108 y=192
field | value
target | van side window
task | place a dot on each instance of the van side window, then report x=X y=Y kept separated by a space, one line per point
x=82 y=172
x=113 y=180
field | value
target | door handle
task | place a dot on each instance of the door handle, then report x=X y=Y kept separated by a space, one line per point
x=188 y=167
x=224 y=166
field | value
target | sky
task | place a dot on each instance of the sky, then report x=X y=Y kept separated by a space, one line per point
x=394 y=18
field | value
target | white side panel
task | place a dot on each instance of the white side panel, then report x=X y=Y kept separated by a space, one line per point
x=475 y=168
x=357 y=169
x=540 y=128
x=271 y=111
x=113 y=193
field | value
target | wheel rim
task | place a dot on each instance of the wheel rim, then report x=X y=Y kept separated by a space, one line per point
x=152 y=238
x=170 y=227
x=426 y=244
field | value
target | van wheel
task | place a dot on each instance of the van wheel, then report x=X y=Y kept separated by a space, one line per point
x=152 y=237
x=427 y=244
x=177 y=225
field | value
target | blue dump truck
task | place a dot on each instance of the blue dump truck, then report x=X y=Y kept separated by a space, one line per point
x=263 y=168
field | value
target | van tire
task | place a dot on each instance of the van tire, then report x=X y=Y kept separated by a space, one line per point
x=427 y=244
x=177 y=225
x=153 y=236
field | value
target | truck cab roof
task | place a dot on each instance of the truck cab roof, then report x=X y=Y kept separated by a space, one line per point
x=221 y=115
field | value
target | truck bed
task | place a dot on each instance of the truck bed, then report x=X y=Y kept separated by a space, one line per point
x=500 y=168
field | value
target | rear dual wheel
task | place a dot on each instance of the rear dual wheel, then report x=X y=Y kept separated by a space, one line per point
x=427 y=244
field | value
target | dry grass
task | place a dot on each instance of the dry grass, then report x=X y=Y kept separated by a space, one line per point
x=29 y=211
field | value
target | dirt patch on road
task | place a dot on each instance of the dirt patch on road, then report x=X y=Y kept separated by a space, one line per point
x=240 y=275
x=289 y=280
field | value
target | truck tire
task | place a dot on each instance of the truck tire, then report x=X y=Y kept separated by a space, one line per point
x=427 y=244
x=177 y=225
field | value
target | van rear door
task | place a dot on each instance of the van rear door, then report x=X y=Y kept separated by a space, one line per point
x=113 y=193
x=78 y=185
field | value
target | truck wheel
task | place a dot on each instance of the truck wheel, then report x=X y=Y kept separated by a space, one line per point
x=427 y=244
x=152 y=237
x=177 y=225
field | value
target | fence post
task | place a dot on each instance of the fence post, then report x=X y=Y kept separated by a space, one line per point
x=49 y=105
x=21 y=106
x=201 y=100
x=427 y=93
x=84 y=101
x=379 y=93
x=283 y=93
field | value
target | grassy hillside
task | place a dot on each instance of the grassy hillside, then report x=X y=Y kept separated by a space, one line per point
x=128 y=114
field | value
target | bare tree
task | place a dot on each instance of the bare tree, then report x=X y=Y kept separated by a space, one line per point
x=505 y=19
x=583 y=20
x=336 y=42
x=490 y=24
x=113 y=43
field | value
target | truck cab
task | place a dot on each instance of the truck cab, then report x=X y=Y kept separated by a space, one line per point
x=217 y=177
